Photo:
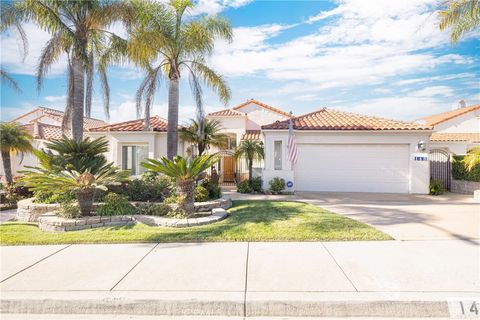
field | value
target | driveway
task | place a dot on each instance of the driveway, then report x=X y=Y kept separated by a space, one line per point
x=406 y=217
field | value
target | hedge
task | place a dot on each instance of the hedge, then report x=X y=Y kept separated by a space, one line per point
x=460 y=173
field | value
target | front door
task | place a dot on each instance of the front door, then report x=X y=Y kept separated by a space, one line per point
x=228 y=169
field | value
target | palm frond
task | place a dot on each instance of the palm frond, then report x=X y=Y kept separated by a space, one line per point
x=10 y=81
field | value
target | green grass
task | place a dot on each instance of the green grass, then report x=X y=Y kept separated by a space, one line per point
x=247 y=221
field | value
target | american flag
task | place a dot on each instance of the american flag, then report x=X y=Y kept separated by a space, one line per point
x=292 y=147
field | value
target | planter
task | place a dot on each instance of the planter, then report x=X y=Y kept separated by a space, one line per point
x=52 y=222
x=217 y=215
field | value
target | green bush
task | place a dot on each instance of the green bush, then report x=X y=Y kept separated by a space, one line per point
x=256 y=184
x=201 y=193
x=459 y=171
x=214 y=190
x=154 y=209
x=178 y=213
x=115 y=205
x=69 y=209
x=244 y=187
x=277 y=184
x=149 y=188
x=436 y=187
x=53 y=197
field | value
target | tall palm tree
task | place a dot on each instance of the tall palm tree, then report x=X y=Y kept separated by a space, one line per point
x=163 y=34
x=462 y=15
x=250 y=149
x=13 y=139
x=204 y=133
x=78 y=29
x=5 y=77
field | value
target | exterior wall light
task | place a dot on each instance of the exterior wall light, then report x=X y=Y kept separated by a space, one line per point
x=422 y=146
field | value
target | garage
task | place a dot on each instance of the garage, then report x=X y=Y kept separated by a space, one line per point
x=338 y=151
x=352 y=168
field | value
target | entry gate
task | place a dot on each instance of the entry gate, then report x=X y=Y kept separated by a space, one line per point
x=441 y=167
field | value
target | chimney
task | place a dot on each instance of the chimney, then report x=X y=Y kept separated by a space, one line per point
x=461 y=104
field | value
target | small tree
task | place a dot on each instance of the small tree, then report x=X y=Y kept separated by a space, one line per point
x=472 y=158
x=204 y=133
x=184 y=171
x=13 y=139
x=250 y=149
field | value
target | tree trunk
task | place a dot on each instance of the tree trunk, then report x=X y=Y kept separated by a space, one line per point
x=85 y=201
x=186 y=189
x=78 y=97
x=172 y=132
x=250 y=171
x=7 y=166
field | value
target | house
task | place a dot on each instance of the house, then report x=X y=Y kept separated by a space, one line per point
x=43 y=124
x=243 y=122
x=456 y=131
x=130 y=144
x=346 y=152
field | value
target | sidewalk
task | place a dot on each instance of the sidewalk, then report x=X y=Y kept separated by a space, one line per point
x=385 y=278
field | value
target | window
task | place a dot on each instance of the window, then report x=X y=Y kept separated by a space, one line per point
x=277 y=155
x=132 y=157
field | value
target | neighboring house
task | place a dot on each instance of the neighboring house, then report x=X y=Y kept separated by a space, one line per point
x=43 y=124
x=346 y=152
x=243 y=122
x=130 y=145
x=455 y=131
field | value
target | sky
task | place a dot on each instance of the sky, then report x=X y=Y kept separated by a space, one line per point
x=377 y=57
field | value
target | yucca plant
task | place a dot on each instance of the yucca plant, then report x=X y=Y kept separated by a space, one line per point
x=184 y=171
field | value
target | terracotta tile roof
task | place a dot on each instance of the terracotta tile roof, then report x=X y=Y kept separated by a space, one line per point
x=326 y=119
x=227 y=113
x=444 y=116
x=251 y=135
x=263 y=105
x=455 y=137
x=45 y=131
x=156 y=124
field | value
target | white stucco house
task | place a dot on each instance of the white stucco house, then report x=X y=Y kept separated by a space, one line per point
x=346 y=152
x=456 y=131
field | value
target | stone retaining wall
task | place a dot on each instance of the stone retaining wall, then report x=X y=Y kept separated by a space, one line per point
x=464 y=187
x=52 y=222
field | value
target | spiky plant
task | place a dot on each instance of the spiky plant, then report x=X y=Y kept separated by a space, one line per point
x=163 y=35
x=13 y=139
x=472 y=158
x=461 y=15
x=250 y=149
x=184 y=171
x=204 y=133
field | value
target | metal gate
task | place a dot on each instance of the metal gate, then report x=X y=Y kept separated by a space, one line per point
x=440 y=167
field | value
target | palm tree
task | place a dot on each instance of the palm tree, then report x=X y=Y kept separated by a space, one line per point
x=10 y=81
x=13 y=138
x=180 y=45
x=462 y=15
x=204 y=133
x=184 y=171
x=472 y=158
x=78 y=29
x=251 y=150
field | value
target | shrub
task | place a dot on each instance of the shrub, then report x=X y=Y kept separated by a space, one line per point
x=175 y=199
x=277 y=184
x=149 y=188
x=436 y=187
x=42 y=196
x=214 y=190
x=256 y=184
x=69 y=209
x=154 y=209
x=244 y=187
x=460 y=172
x=178 y=213
x=15 y=192
x=115 y=205
x=201 y=193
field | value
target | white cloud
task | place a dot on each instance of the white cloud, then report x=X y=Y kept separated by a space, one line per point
x=423 y=80
x=212 y=7
x=433 y=91
x=55 y=98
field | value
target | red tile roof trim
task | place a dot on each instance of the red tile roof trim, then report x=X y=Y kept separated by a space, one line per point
x=263 y=105
x=448 y=115
x=326 y=119
x=156 y=124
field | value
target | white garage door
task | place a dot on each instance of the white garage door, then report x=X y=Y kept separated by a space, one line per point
x=355 y=168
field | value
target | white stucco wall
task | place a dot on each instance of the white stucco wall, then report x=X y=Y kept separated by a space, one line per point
x=259 y=116
x=454 y=147
x=419 y=171
x=234 y=125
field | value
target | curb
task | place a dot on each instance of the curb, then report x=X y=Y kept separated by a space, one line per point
x=219 y=304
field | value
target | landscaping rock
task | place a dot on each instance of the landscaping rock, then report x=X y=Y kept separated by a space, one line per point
x=207 y=206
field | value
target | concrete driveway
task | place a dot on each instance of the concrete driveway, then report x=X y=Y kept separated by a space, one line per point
x=406 y=217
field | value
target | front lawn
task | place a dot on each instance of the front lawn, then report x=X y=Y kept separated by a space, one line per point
x=248 y=221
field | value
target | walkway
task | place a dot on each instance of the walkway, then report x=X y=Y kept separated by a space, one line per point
x=414 y=278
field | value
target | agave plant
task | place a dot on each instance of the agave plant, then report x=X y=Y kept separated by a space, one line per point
x=83 y=184
x=184 y=171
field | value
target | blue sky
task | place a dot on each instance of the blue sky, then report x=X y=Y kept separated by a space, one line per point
x=384 y=58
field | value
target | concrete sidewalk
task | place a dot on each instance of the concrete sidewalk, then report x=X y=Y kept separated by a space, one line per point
x=385 y=278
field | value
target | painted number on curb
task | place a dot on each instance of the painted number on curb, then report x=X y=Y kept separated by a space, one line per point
x=464 y=308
